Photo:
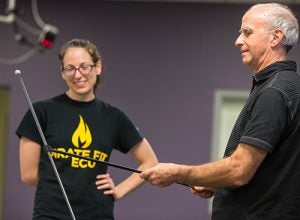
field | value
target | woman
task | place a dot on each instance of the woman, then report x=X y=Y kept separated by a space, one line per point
x=77 y=122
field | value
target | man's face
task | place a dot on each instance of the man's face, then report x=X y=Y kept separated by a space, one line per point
x=254 y=40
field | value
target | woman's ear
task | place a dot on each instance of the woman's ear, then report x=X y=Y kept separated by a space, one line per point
x=62 y=74
x=98 y=68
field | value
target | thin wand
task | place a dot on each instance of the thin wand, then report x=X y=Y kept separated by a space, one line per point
x=18 y=73
x=100 y=161
x=49 y=148
x=94 y=160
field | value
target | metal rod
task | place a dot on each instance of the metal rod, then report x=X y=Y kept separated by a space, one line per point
x=18 y=73
x=103 y=162
x=50 y=149
x=94 y=160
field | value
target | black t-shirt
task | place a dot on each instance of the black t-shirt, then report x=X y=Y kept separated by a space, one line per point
x=270 y=120
x=91 y=129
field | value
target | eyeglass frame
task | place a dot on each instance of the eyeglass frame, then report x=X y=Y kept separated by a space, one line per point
x=74 y=69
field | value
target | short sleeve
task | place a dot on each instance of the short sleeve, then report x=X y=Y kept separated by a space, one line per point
x=268 y=120
x=129 y=134
x=28 y=127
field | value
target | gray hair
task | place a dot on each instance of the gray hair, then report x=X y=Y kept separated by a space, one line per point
x=282 y=17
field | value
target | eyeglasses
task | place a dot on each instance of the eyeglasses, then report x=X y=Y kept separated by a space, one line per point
x=83 y=69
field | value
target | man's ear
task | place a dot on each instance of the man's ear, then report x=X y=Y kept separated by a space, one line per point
x=278 y=36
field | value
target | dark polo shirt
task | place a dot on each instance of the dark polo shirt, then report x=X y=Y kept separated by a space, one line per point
x=270 y=120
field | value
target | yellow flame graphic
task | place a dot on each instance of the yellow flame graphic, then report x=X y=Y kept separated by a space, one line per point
x=82 y=137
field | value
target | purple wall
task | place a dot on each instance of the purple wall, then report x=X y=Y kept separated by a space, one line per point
x=163 y=62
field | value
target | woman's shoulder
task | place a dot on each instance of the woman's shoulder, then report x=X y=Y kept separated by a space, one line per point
x=109 y=108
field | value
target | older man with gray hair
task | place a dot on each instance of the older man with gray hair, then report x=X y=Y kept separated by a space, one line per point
x=259 y=176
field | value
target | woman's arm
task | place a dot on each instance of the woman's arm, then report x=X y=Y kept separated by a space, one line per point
x=145 y=157
x=29 y=161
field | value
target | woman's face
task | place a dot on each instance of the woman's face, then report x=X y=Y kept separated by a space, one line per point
x=80 y=73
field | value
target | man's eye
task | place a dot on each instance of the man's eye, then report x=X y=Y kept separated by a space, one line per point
x=247 y=32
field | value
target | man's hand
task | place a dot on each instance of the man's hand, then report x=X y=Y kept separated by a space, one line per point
x=202 y=192
x=163 y=174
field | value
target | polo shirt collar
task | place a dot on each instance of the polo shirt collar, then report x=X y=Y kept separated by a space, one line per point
x=274 y=68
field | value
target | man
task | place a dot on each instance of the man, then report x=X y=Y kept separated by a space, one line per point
x=259 y=176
